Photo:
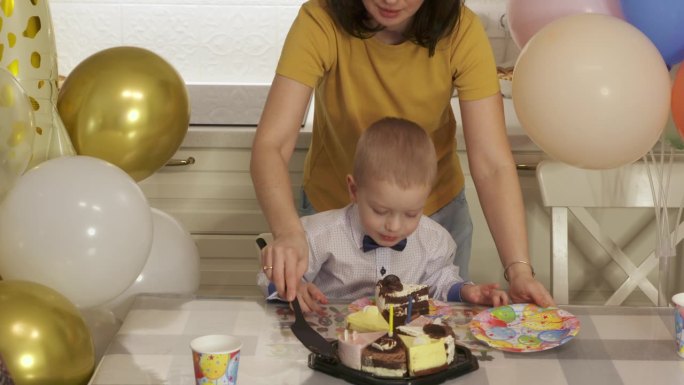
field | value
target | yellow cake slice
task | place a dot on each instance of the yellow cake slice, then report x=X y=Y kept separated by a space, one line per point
x=425 y=355
x=367 y=320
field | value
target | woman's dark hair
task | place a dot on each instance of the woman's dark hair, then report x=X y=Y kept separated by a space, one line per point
x=433 y=20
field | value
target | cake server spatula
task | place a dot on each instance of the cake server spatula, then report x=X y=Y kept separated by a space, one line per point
x=308 y=336
x=303 y=331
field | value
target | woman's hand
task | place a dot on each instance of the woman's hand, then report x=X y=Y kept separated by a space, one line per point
x=525 y=288
x=494 y=173
x=285 y=261
x=485 y=294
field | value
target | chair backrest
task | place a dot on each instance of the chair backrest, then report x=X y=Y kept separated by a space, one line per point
x=566 y=189
x=629 y=186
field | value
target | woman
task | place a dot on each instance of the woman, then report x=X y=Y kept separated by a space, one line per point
x=367 y=59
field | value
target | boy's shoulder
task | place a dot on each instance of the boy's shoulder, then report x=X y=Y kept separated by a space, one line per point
x=324 y=221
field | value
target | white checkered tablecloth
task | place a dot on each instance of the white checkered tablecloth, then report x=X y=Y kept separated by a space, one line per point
x=615 y=345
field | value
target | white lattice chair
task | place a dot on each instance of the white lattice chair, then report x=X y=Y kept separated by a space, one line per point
x=566 y=189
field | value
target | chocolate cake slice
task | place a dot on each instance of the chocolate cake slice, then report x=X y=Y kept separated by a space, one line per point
x=386 y=357
x=390 y=291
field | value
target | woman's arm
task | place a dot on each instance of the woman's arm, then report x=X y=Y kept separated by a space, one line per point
x=498 y=188
x=273 y=146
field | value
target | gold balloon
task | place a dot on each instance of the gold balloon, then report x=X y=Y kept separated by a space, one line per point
x=43 y=338
x=128 y=106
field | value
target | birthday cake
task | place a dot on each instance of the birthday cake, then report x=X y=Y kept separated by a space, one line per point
x=407 y=300
x=379 y=341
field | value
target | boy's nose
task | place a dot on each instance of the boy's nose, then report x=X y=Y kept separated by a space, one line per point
x=392 y=224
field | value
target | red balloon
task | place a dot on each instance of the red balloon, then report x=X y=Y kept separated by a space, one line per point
x=677 y=101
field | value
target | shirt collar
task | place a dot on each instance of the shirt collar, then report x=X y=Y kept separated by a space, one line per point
x=357 y=231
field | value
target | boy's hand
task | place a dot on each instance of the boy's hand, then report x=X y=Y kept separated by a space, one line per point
x=485 y=294
x=309 y=297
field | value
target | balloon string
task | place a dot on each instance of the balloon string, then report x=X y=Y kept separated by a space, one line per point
x=660 y=173
x=672 y=239
x=665 y=172
x=654 y=195
x=668 y=174
x=679 y=214
x=679 y=219
x=664 y=224
x=508 y=38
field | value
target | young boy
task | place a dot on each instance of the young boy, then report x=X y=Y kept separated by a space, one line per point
x=383 y=231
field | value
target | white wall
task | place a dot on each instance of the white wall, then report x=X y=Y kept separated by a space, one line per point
x=236 y=41
x=214 y=41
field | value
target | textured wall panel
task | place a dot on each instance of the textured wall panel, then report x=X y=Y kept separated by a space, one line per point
x=221 y=41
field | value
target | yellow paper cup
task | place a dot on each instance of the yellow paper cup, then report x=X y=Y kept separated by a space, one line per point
x=678 y=301
x=215 y=358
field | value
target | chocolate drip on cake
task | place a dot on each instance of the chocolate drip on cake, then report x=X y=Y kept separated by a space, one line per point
x=435 y=331
x=389 y=284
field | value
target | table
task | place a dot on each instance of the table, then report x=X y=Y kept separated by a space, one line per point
x=616 y=345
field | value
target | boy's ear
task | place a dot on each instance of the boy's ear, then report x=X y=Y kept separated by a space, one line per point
x=352 y=188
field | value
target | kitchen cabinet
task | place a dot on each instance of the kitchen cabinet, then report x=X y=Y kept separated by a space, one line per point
x=215 y=201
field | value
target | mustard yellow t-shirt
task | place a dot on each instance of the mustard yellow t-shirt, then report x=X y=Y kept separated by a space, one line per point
x=358 y=81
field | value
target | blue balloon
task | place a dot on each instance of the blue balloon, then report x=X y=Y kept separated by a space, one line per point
x=662 y=21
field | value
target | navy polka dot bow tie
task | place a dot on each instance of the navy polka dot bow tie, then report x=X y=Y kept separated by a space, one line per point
x=369 y=244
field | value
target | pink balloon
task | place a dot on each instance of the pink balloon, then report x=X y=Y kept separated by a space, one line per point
x=527 y=17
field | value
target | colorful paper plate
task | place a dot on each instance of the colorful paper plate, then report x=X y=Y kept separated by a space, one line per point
x=436 y=307
x=524 y=327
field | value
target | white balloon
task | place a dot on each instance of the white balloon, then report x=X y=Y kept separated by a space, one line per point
x=78 y=225
x=171 y=268
x=103 y=326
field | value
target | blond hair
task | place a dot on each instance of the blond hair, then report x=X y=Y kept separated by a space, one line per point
x=395 y=150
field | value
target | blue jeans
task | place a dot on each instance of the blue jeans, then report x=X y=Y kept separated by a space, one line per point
x=455 y=217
